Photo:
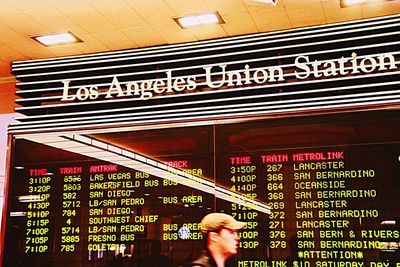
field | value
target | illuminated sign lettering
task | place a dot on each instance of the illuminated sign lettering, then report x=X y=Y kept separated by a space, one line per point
x=305 y=68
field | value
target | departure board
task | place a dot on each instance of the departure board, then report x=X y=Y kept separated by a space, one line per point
x=328 y=208
x=331 y=186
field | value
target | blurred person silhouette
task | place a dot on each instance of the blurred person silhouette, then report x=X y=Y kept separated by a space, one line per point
x=221 y=240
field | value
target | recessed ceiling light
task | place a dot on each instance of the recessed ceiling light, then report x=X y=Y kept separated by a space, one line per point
x=274 y=2
x=208 y=19
x=57 y=39
x=199 y=20
x=349 y=3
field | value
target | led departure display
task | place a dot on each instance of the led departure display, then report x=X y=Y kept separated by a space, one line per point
x=332 y=188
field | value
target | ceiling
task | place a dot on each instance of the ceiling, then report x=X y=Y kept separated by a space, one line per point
x=105 y=25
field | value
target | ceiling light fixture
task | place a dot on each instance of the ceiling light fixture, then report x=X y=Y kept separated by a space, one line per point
x=350 y=3
x=56 y=39
x=199 y=20
x=274 y=2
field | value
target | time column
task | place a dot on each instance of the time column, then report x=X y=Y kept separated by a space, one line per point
x=244 y=182
x=38 y=214
x=275 y=197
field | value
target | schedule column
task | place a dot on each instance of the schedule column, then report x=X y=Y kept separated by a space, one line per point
x=243 y=180
x=38 y=214
x=275 y=185
x=71 y=207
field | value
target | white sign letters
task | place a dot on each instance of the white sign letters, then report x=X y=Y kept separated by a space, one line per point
x=218 y=77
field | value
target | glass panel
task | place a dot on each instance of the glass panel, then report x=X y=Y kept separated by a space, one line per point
x=136 y=198
x=67 y=209
x=331 y=181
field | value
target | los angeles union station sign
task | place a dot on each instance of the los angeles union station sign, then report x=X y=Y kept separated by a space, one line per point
x=219 y=76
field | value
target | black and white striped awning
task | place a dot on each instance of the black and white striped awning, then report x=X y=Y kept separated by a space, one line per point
x=41 y=81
